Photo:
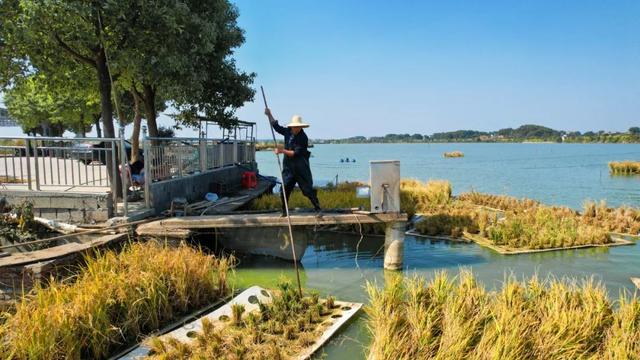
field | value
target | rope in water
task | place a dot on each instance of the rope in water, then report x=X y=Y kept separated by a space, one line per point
x=284 y=200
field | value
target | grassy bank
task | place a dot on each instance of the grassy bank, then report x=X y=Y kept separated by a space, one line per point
x=448 y=319
x=279 y=330
x=115 y=300
x=624 y=167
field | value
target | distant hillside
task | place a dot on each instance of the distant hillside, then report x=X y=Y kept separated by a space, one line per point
x=524 y=133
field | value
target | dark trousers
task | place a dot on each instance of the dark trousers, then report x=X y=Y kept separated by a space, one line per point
x=297 y=171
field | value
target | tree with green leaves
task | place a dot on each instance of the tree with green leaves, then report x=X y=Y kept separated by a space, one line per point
x=51 y=106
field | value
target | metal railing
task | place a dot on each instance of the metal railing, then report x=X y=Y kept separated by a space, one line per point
x=170 y=158
x=63 y=164
x=57 y=163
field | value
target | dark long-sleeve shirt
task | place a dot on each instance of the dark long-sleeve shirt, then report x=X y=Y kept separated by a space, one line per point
x=298 y=143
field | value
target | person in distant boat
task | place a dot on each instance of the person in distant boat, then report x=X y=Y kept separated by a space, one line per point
x=296 y=167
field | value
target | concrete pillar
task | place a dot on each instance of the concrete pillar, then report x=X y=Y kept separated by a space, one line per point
x=394 y=245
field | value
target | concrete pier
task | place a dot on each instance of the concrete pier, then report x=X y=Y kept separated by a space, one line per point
x=394 y=245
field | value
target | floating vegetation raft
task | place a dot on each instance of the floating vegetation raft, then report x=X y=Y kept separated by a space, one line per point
x=512 y=224
x=282 y=329
x=624 y=167
x=115 y=299
x=454 y=154
x=447 y=319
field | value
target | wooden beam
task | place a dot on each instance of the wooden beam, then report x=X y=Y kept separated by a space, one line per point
x=179 y=224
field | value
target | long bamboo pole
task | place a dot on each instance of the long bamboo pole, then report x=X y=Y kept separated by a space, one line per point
x=284 y=198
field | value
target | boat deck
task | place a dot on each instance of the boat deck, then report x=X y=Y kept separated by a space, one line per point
x=181 y=227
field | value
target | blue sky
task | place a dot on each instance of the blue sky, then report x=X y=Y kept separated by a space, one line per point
x=376 y=67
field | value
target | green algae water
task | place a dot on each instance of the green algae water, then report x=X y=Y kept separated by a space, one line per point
x=341 y=264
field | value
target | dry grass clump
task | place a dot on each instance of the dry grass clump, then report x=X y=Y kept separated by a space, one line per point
x=114 y=300
x=426 y=196
x=624 y=167
x=500 y=202
x=414 y=196
x=544 y=228
x=340 y=197
x=452 y=220
x=453 y=154
x=279 y=330
x=622 y=219
x=449 y=319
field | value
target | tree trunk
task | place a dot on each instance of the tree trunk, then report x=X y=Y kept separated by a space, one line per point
x=107 y=115
x=96 y=120
x=137 y=119
x=149 y=100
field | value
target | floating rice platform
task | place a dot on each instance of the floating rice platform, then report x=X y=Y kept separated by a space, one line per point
x=469 y=238
x=617 y=241
x=250 y=299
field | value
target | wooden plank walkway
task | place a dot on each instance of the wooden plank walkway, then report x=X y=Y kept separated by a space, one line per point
x=182 y=226
x=57 y=251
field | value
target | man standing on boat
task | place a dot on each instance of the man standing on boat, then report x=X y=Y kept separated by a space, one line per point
x=296 y=167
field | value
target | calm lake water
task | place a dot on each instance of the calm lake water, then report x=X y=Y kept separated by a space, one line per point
x=564 y=174
x=552 y=173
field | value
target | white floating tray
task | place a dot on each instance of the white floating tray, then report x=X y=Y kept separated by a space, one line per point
x=250 y=298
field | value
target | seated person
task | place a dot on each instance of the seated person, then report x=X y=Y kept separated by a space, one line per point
x=137 y=171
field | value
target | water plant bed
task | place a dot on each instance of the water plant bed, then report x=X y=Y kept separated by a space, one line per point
x=482 y=241
x=116 y=298
x=456 y=318
x=624 y=167
x=256 y=324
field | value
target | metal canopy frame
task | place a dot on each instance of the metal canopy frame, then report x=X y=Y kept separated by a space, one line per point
x=242 y=130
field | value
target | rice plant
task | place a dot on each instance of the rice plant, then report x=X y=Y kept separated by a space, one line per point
x=114 y=299
x=622 y=219
x=624 y=167
x=278 y=330
x=456 y=318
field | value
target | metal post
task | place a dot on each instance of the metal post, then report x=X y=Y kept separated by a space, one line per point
x=35 y=159
x=113 y=178
x=27 y=147
x=147 y=170
x=235 y=151
x=202 y=147
x=123 y=164
x=221 y=147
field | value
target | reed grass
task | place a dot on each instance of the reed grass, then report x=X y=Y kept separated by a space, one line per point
x=624 y=167
x=456 y=318
x=114 y=300
x=453 y=154
x=279 y=330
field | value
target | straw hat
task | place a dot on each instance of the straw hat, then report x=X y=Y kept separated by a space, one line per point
x=296 y=121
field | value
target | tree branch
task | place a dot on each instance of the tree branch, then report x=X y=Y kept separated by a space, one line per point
x=74 y=53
